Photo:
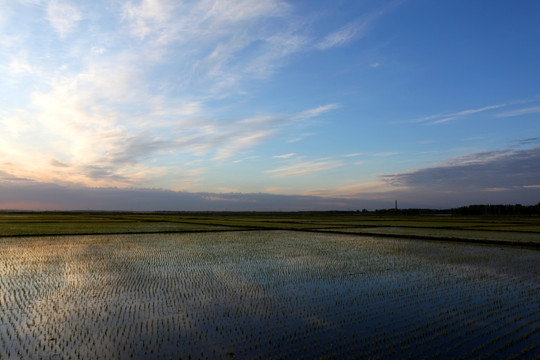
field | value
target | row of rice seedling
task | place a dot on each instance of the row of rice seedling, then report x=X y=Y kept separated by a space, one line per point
x=264 y=294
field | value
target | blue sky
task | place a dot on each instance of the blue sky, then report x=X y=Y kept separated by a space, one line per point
x=267 y=104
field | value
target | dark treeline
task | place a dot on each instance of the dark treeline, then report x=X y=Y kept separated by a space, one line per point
x=517 y=209
x=408 y=212
x=477 y=210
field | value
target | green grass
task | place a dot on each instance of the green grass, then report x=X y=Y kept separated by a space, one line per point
x=494 y=236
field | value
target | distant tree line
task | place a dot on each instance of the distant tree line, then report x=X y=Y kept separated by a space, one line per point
x=407 y=212
x=517 y=209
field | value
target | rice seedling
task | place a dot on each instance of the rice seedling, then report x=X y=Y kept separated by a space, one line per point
x=267 y=294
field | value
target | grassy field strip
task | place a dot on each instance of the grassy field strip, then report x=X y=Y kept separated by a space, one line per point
x=524 y=228
x=508 y=239
x=51 y=229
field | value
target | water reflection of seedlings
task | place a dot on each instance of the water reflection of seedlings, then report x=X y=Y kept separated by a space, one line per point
x=264 y=294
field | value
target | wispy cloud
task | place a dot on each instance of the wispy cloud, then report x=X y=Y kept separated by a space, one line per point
x=149 y=16
x=20 y=64
x=345 y=34
x=369 y=190
x=237 y=143
x=58 y=163
x=519 y=112
x=300 y=137
x=386 y=154
x=219 y=43
x=534 y=140
x=353 y=30
x=284 y=156
x=247 y=158
x=111 y=150
x=124 y=94
x=63 y=17
x=444 y=118
x=316 y=111
x=169 y=20
x=304 y=168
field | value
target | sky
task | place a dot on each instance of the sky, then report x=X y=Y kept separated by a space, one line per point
x=268 y=104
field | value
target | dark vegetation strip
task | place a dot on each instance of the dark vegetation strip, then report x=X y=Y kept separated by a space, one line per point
x=128 y=233
x=479 y=224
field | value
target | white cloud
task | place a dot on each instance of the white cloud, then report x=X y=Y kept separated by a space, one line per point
x=20 y=65
x=368 y=190
x=15 y=125
x=519 y=112
x=316 y=111
x=3 y=18
x=227 y=140
x=97 y=50
x=386 y=154
x=300 y=137
x=497 y=189
x=345 y=34
x=81 y=120
x=237 y=143
x=123 y=104
x=277 y=48
x=105 y=124
x=284 y=156
x=233 y=11
x=63 y=17
x=443 y=118
x=216 y=44
x=353 y=30
x=149 y=16
x=304 y=168
x=200 y=21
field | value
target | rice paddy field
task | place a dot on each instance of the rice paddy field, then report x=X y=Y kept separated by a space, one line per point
x=506 y=230
x=135 y=286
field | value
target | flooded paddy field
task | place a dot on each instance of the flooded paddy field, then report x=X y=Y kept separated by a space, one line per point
x=262 y=294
